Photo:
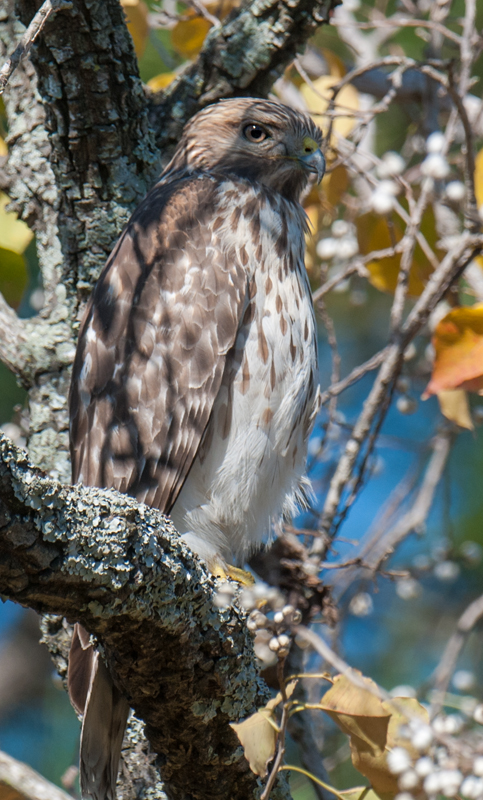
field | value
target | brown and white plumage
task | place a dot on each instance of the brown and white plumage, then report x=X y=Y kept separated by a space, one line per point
x=195 y=379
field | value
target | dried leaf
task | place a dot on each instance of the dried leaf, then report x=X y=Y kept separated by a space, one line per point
x=258 y=739
x=137 y=23
x=454 y=406
x=458 y=345
x=14 y=234
x=258 y=734
x=373 y=726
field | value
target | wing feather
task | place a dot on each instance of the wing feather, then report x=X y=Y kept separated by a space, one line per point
x=152 y=348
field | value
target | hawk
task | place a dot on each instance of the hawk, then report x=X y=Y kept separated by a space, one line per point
x=195 y=380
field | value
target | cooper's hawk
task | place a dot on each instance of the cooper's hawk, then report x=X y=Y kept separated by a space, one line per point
x=195 y=380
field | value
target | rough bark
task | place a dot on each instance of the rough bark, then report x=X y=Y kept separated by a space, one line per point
x=85 y=143
x=186 y=666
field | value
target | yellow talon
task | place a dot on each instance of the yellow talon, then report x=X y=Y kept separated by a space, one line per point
x=224 y=571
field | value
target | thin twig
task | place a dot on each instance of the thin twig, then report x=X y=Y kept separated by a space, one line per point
x=27 y=782
x=451 y=267
x=397 y=22
x=443 y=672
x=203 y=11
x=378 y=545
x=281 y=734
x=29 y=37
x=357 y=373
x=329 y=285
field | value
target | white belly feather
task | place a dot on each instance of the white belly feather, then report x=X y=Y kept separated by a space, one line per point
x=250 y=466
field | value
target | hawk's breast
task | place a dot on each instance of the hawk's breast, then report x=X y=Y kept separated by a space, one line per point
x=251 y=462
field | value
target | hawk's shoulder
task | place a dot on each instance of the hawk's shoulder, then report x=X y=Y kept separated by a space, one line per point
x=153 y=343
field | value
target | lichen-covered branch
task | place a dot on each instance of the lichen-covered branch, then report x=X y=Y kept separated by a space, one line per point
x=242 y=57
x=187 y=668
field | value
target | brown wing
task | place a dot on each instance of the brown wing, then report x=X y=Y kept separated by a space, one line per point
x=152 y=346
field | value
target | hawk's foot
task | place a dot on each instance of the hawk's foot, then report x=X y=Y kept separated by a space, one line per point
x=219 y=569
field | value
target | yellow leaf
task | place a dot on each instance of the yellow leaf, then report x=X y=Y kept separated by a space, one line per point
x=454 y=406
x=317 y=96
x=3 y=147
x=161 y=81
x=375 y=232
x=458 y=346
x=13 y=276
x=14 y=234
x=373 y=726
x=258 y=734
x=137 y=23
x=479 y=178
x=187 y=36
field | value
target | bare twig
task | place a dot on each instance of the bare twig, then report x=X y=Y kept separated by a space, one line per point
x=353 y=269
x=397 y=21
x=203 y=11
x=281 y=734
x=451 y=267
x=323 y=649
x=382 y=542
x=443 y=672
x=357 y=373
x=417 y=515
x=34 y=29
x=27 y=782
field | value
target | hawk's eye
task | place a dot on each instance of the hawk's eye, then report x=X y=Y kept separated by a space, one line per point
x=254 y=133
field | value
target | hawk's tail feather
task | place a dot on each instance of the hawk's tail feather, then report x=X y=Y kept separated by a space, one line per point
x=105 y=711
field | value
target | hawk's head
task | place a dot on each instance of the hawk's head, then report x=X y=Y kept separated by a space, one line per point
x=263 y=141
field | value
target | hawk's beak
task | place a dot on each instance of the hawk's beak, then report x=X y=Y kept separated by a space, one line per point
x=314 y=162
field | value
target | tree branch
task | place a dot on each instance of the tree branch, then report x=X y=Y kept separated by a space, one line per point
x=29 y=37
x=118 y=567
x=243 y=57
x=27 y=781
x=443 y=672
x=449 y=270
